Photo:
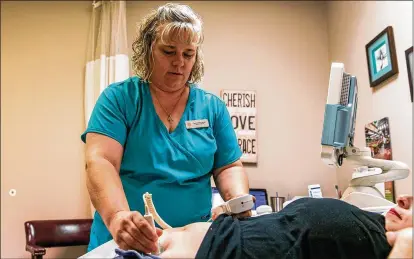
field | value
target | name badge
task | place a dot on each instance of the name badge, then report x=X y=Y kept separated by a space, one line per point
x=196 y=124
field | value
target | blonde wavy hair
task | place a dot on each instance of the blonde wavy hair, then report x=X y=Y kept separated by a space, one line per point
x=175 y=20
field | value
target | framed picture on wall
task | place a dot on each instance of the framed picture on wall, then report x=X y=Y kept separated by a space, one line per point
x=378 y=139
x=409 y=59
x=381 y=57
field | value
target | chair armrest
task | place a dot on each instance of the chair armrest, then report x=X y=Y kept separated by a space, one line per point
x=36 y=250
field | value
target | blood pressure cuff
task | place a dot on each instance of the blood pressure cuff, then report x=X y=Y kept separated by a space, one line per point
x=132 y=254
x=306 y=228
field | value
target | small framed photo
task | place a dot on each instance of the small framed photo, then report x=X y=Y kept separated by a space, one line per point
x=409 y=59
x=381 y=57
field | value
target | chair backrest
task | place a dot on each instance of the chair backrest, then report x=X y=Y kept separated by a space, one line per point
x=57 y=233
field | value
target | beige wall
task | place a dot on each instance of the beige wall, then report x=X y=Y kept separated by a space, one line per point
x=279 y=49
x=42 y=62
x=351 y=26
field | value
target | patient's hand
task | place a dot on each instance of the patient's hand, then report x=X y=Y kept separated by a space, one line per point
x=183 y=242
x=401 y=242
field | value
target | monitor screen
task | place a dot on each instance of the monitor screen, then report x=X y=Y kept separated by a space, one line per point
x=261 y=197
x=259 y=194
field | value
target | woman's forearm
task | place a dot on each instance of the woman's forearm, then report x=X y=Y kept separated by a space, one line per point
x=105 y=188
x=232 y=181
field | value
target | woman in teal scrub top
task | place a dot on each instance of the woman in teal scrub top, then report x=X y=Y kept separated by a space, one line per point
x=158 y=132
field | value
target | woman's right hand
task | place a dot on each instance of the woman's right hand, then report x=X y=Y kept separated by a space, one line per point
x=130 y=230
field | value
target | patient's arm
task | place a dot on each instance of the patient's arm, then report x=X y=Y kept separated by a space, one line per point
x=183 y=242
x=402 y=243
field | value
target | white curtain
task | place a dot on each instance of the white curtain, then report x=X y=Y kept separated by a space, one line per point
x=107 y=52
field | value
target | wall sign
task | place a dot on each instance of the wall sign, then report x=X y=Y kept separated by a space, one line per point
x=242 y=108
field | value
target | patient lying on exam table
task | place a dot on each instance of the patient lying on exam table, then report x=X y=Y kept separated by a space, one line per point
x=306 y=228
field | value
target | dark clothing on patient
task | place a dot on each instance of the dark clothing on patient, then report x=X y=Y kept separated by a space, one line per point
x=306 y=228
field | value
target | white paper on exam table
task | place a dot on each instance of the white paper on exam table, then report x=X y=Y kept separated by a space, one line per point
x=107 y=250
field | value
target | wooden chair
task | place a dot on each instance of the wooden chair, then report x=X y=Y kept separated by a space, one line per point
x=42 y=234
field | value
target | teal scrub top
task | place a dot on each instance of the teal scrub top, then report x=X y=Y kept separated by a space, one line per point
x=174 y=167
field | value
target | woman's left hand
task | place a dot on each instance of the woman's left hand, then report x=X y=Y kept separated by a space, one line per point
x=245 y=214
